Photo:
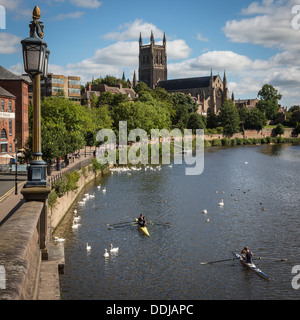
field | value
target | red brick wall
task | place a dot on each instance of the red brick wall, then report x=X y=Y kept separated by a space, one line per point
x=19 y=89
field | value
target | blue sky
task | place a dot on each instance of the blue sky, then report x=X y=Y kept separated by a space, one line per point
x=254 y=41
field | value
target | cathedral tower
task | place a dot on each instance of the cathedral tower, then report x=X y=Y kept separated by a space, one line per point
x=152 y=62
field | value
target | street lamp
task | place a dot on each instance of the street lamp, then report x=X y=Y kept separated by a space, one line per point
x=16 y=173
x=36 y=56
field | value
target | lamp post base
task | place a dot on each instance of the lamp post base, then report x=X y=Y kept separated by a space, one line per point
x=37 y=175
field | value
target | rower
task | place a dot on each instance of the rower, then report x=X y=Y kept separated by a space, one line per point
x=141 y=221
x=247 y=255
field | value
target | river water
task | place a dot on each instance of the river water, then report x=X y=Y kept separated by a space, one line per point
x=260 y=187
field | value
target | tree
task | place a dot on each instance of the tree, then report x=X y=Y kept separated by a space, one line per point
x=141 y=86
x=268 y=103
x=279 y=129
x=195 y=121
x=229 y=117
x=256 y=120
x=243 y=113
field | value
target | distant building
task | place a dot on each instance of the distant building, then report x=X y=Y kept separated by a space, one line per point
x=55 y=83
x=7 y=123
x=98 y=89
x=248 y=103
x=209 y=92
x=18 y=87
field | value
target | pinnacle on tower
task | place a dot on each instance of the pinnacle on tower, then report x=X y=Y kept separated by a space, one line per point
x=152 y=37
x=141 y=40
x=224 y=79
x=164 y=39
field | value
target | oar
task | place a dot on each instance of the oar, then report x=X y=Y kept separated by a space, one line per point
x=116 y=224
x=276 y=259
x=122 y=226
x=161 y=224
x=218 y=261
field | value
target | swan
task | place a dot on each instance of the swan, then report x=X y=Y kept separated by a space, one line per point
x=99 y=187
x=207 y=220
x=82 y=203
x=75 y=211
x=104 y=190
x=113 y=249
x=88 y=248
x=59 y=239
x=92 y=195
x=76 y=219
x=86 y=195
x=221 y=203
x=105 y=253
x=204 y=211
x=75 y=225
x=246 y=162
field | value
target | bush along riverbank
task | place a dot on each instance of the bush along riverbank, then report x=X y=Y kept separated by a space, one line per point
x=65 y=190
x=249 y=141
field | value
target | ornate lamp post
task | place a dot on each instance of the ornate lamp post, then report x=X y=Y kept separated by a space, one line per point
x=36 y=56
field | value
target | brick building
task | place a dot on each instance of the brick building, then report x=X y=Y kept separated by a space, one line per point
x=7 y=123
x=18 y=87
x=58 y=83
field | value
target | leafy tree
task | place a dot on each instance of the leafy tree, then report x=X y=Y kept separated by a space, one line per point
x=243 y=113
x=212 y=120
x=229 y=117
x=141 y=86
x=256 y=120
x=268 y=103
x=195 y=121
x=279 y=129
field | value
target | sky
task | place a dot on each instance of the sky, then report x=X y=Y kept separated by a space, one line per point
x=256 y=42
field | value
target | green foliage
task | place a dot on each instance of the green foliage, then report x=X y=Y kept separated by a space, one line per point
x=256 y=120
x=268 y=103
x=229 y=117
x=279 y=129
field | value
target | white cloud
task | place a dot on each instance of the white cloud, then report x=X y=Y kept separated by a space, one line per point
x=201 y=38
x=132 y=30
x=71 y=15
x=9 y=43
x=92 y=4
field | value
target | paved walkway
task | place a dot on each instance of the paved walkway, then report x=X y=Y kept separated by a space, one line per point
x=11 y=202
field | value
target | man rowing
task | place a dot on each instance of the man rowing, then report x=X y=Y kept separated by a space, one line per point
x=247 y=255
x=142 y=221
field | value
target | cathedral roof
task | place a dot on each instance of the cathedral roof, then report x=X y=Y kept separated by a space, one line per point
x=188 y=83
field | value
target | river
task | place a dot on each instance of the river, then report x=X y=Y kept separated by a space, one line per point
x=260 y=187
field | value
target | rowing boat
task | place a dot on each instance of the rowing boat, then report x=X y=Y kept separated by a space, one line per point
x=143 y=229
x=251 y=266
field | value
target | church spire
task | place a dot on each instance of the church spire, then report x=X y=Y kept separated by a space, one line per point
x=224 y=79
x=141 y=40
x=134 y=82
x=123 y=77
x=152 y=38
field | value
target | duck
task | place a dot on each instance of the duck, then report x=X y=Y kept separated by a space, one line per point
x=113 y=249
x=106 y=254
x=88 y=248
x=221 y=204
x=204 y=211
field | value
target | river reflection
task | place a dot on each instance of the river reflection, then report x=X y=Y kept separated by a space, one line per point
x=260 y=188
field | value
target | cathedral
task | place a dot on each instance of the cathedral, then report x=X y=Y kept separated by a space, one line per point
x=209 y=92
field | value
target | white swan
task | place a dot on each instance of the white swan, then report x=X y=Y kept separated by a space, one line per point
x=82 y=203
x=204 y=211
x=76 y=219
x=207 y=220
x=92 y=195
x=88 y=248
x=57 y=239
x=104 y=190
x=75 y=225
x=113 y=249
x=106 y=254
x=86 y=195
x=221 y=204
x=99 y=187
x=75 y=211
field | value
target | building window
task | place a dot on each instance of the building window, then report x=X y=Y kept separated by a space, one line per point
x=3 y=147
x=9 y=106
x=3 y=134
x=10 y=128
x=10 y=148
x=2 y=105
x=74 y=82
x=57 y=81
x=72 y=90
